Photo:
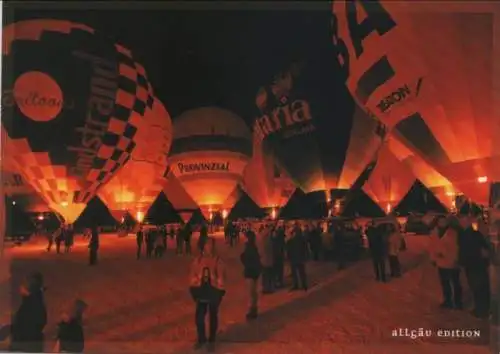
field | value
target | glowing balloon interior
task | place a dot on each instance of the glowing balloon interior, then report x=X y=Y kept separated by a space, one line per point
x=389 y=182
x=136 y=186
x=70 y=126
x=441 y=187
x=267 y=184
x=432 y=74
x=210 y=151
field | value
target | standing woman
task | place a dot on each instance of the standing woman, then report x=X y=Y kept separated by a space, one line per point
x=444 y=254
x=207 y=289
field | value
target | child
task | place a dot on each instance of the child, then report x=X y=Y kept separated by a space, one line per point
x=70 y=337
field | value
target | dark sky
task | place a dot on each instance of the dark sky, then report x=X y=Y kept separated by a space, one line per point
x=201 y=58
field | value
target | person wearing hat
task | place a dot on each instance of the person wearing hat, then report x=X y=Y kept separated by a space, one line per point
x=30 y=319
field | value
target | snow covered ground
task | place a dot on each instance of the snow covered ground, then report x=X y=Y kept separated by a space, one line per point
x=143 y=306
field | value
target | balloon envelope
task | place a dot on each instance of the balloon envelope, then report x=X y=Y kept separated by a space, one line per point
x=210 y=150
x=389 y=181
x=300 y=125
x=431 y=72
x=267 y=184
x=135 y=187
x=71 y=106
x=441 y=187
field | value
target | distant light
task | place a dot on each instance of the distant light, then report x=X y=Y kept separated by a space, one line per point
x=450 y=194
x=224 y=214
x=482 y=179
x=140 y=216
x=388 y=208
x=13 y=203
x=273 y=214
x=64 y=204
x=40 y=217
x=210 y=216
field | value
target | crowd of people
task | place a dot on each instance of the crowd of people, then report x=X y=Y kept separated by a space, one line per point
x=456 y=244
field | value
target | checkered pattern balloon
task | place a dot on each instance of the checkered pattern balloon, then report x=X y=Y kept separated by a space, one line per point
x=136 y=186
x=71 y=105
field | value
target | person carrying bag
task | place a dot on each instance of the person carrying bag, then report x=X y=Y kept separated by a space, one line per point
x=207 y=290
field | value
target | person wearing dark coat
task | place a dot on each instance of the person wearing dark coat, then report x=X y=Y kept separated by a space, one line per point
x=315 y=241
x=60 y=236
x=164 y=236
x=252 y=269
x=93 y=246
x=279 y=256
x=188 y=234
x=30 y=319
x=265 y=245
x=340 y=246
x=150 y=242
x=69 y=236
x=179 y=239
x=474 y=258
x=158 y=243
x=70 y=335
x=296 y=248
x=171 y=232
x=202 y=240
x=376 y=244
x=139 y=237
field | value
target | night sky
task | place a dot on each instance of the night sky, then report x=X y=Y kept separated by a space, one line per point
x=205 y=58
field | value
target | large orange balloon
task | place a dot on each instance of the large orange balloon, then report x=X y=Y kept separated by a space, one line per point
x=267 y=184
x=71 y=106
x=210 y=150
x=136 y=186
x=441 y=187
x=432 y=73
x=389 y=181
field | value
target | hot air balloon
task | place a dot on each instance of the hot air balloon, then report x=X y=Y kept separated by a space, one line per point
x=210 y=150
x=135 y=187
x=441 y=187
x=19 y=190
x=389 y=182
x=300 y=125
x=267 y=184
x=431 y=72
x=71 y=106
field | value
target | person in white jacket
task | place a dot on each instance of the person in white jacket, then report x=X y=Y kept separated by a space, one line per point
x=444 y=254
